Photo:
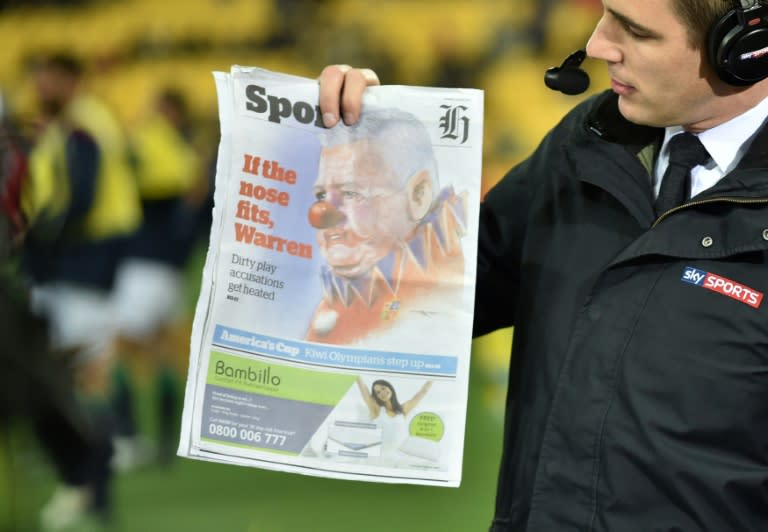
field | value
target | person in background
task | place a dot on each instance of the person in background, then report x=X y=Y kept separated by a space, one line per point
x=35 y=384
x=630 y=252
x=148 y=291
x=80 y=203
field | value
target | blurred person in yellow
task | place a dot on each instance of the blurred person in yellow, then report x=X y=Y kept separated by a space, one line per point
x=36 y=384
x=149 y=285
x=81 y=203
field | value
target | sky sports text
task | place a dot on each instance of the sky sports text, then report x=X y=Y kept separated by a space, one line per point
x=724 y=286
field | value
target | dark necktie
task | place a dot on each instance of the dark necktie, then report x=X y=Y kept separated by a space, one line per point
x=685 y=152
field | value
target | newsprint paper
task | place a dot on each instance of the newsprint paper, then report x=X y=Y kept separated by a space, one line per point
x=332 y=334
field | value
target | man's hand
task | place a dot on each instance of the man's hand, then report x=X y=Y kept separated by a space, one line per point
x=341 y=92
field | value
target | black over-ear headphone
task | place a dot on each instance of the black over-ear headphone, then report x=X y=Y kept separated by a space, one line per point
x=738 y=43
x=737 y=48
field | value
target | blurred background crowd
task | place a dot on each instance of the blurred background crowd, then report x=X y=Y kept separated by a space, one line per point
x=108 y=135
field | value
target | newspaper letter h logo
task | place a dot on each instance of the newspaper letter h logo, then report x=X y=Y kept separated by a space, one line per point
x=453 y=124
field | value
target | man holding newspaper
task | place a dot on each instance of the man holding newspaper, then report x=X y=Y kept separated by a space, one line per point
x=638 y=382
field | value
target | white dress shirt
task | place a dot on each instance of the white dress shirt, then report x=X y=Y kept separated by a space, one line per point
x=726 y=143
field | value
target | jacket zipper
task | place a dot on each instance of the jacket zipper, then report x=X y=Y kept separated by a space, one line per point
x=742 y=201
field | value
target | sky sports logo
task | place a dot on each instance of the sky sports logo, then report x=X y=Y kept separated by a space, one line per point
x=724 y=286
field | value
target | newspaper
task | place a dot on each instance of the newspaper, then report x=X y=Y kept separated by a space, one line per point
x=333 y=331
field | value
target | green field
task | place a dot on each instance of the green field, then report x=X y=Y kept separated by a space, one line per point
x=194 y=496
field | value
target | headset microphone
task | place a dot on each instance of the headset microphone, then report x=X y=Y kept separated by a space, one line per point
x=568 y=78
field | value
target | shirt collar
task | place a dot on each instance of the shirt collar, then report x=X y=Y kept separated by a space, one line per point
x=729 y=141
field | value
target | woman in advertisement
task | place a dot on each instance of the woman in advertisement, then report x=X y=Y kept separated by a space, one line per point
x=388 y=412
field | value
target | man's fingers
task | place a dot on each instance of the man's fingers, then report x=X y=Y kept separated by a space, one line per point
x=370 y=76
x=341 y=92
x=355 y=84
x=331 y=83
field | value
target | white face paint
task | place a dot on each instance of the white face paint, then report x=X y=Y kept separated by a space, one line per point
x=361 y=185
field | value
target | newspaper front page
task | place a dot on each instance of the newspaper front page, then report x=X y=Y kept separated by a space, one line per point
x=333 y=330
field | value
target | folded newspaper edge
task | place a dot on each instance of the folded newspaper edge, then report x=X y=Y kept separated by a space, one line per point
x=277 y=384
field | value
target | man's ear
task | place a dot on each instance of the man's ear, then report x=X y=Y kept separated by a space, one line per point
x=420 y=193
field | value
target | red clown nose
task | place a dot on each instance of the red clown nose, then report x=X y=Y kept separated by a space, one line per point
x=323 y=215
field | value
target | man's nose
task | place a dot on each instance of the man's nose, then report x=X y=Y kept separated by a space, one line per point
x=324 y=214
x=602 y=43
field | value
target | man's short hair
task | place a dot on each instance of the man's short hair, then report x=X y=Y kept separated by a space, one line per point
x=175 y=99
x=63 y=62
x=699 y=16
x=399 y=138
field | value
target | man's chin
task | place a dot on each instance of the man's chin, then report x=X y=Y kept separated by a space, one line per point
x=350 y=265
x=636 y=114
x=352 y=271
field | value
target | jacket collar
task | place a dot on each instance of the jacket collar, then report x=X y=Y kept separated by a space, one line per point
x=609 y=164
x=605 y=153
x=757 y=155
x=606 y=122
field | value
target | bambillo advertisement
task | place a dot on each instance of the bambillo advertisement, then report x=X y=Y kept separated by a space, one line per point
x=332 y=334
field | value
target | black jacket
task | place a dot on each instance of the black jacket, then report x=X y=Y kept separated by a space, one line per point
x=638 y=394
